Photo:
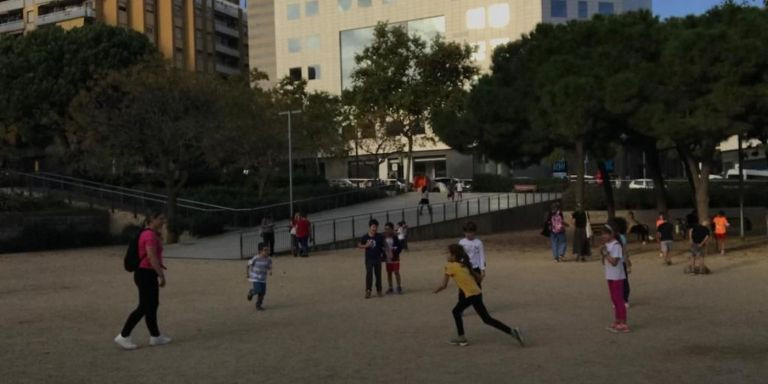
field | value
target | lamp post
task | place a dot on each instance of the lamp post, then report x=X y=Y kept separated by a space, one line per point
x=290 y=157
x=741 y=189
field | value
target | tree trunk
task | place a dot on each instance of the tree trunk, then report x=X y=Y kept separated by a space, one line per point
x=580 y=172
x=317 y=165
x=608 y=190
x=700 y=179
x=409 y=163
x=654 y=168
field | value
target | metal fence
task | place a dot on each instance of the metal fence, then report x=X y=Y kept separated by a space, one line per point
x=330 y=231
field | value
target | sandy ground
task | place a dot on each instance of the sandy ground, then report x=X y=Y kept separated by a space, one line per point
x=60 y=310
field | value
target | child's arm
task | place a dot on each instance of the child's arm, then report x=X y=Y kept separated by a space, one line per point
x=612 y=260
x=482 y=261
x=247 y=270
x=443 y=285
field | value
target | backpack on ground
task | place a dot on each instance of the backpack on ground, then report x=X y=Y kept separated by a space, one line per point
x=131 y=261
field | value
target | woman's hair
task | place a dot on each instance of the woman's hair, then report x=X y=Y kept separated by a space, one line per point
x=152 y=214
x=614 y=227
x=460 y=255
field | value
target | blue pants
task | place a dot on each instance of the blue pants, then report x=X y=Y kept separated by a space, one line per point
x=558 y=245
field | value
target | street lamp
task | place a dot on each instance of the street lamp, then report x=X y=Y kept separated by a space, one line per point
x=290 y=157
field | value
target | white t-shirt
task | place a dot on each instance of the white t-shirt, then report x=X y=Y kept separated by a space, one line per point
x=401 y=233
x=475 y=251
x=459 y=186
x=615 y=272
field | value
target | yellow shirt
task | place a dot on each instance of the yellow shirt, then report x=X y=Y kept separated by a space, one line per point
x=463 y=279
x=721 y=225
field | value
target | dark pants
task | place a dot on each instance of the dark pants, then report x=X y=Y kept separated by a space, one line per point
x=372 y=267
x=580 y=242
x=626 y=284
x=476 y=302
x=303 y=245
x=149 y=300
x=269 y=240
x=641 y=231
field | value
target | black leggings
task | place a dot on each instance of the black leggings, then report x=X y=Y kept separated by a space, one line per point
x=626 y=284
x=269 y=240
x=372 y=268
x=476 y=302
x=149 y=300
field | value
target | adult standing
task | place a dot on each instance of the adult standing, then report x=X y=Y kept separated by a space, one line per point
x=268 y=232
x=557 y=225
x=294 y=239
x=580 y=241
x=303 y=227
x=149 y=277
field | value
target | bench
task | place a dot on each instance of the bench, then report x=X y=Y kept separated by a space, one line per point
x=525 y=187
x=597 y=231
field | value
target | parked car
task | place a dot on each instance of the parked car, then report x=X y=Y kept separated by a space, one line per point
x=641 y=184
x=341 y=183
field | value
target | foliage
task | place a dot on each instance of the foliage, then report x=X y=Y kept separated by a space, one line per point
x=399 y=81
x=20 y=203
x=42 y=71
x=497 y=183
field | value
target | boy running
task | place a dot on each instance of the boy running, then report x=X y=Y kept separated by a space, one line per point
x=392 y=249
x=256 y=272
x=721 y=228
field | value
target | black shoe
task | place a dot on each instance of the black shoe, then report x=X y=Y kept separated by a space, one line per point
x=518 y=335
x=250 y=295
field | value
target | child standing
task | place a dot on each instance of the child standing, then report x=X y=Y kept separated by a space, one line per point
x=256 y=272
x=460 y=269
x=721 y=228
x=475 y=250
x=613 y=254
x=424 y=201
x=392 y=250
x=699 y=235
x=402 y=234
x=373 y=243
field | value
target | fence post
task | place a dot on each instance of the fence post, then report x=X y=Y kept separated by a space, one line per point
x=478 y=205
x=402 y=215
x=489 y=203
x=334 y=230
x=467 y=208
x=456 y=210
x=444 y=219
x=353 y=227
x=387 y=217
x=418 y=218
x=431 y=216
x=314 y=239
x=241 y=244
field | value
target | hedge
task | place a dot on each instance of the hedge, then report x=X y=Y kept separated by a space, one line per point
x=497 y=183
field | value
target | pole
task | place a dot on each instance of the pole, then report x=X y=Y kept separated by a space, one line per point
x=290 y=157
x=644 y=177
x=741 y=190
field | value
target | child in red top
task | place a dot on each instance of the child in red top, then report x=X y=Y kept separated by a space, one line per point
x=302 y=234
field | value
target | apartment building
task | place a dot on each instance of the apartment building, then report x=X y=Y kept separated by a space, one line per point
x=198 y=35
x=317 y=40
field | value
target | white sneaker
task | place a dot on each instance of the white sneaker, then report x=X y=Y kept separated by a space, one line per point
x=160 y=340
x=125 y=342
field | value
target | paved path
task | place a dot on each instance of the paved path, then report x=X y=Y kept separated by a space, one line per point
x=350 y=222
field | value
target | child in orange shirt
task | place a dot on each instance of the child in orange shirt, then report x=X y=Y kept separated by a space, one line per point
x=721 y=228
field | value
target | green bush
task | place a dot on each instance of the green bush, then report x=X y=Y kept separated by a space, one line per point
x=20 y=203
x=44 y=231
x=206 y=225
x=679 y=195
x=497 y=183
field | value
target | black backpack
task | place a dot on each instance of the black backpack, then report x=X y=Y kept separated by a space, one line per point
x=131 y=261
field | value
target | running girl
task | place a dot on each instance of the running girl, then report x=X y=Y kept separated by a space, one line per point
x=460 y=269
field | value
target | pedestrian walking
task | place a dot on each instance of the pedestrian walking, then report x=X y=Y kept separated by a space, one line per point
x=555 y=227
x=303 y=231
x=424 y=201
x=581 y=246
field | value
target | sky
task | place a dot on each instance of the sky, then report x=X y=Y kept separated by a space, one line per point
x=668 y=8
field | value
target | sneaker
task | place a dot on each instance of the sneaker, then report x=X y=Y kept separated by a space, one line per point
x=259 y=308
x=125 y=342
x=250 y=295
x=460 y=341
x=399 y=290
x=518 y=335
x=621 y=328
x=390 y=291
x=612 y=328
x=367 y=294
x=160 y=340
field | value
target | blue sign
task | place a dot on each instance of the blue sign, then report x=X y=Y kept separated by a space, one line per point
x=609 y=166
x=560 y=166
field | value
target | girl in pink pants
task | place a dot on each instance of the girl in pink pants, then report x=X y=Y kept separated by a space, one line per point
x=613 y=254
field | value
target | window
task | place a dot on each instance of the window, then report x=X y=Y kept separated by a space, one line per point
x=387 y=2
x=364 y=3
x=311 y=8
x=313 y=42
x=294 y=45
x=605 y=8
x=559 y=8
x=583 y=10
x=479 y=51
x=498 y=15
x=295 y=73
x=476 y=18
x=345 y=5
x=293 y=11
x=313 y=72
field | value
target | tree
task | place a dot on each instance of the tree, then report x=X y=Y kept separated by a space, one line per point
x=401 y=79
x=44 y=70
x=151 y=117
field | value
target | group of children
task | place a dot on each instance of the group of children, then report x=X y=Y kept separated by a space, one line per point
x=383 y=248
x=698 y=235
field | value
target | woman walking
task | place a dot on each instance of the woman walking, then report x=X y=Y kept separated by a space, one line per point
x=556 y=225
x=149 y=277
x=460 y=269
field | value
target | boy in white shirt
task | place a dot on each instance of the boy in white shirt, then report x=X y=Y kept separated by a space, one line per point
x=256 y=272
x=474 y=249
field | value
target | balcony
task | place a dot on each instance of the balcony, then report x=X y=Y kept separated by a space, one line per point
x=226 y=29
x=227 y=70
x=66 y=14
x=227 y=50
x=11 y=5
x=12 y=26
x=226 y=8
